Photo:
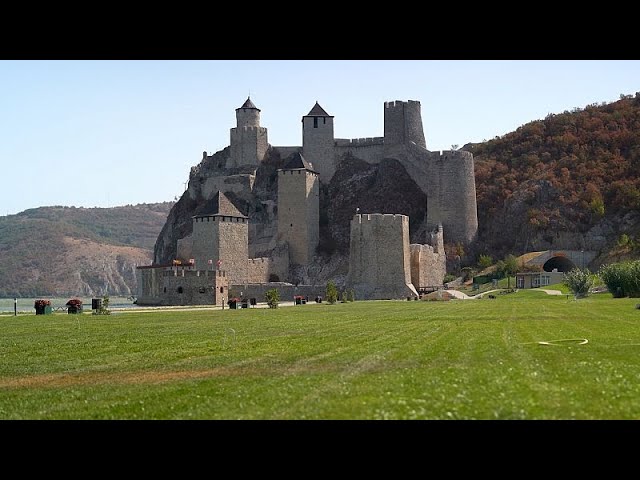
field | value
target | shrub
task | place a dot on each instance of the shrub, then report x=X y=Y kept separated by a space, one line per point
x=331 y=293
x=272 y=297
x=41 y=303
x=622 y=279
x=448 y=278
x=579 y=281
x=485 y=261
x=74 y=302
x=104 y=307
x=352 y=295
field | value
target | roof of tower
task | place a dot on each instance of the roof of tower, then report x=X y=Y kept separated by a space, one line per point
x=297 y=162
x=219 y=205
x=318 y=111
x=248 y=104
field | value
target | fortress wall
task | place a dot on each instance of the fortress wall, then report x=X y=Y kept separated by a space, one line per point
x=287 y=151
x=248 y=145
x=258 y=270
x=149 y=285
x=428 y=268
x=370 y=150
x=379 y=260
x=196 y=289
x=242 y=183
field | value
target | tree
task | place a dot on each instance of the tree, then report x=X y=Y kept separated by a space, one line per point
x=485 y=261
x=272 y=297
x=579 y=281
x=331 y=292
x=508 y=266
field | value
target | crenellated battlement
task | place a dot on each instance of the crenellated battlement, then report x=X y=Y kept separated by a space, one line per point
x=400 y=103
x=249 y=129
x=358 y=142
x=258 y=262
x=380 y=218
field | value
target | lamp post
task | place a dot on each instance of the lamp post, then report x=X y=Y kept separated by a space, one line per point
x=582 y=258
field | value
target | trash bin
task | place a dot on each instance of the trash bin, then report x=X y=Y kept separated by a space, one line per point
x=96 y=303
x=245 y=303
x=253 y=302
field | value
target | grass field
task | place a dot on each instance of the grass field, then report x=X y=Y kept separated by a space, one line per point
x=472 y=359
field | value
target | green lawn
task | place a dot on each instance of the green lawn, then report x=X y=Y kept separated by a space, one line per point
x=473 y=359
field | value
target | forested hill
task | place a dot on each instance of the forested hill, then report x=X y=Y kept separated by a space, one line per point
x=571 y=180
x=77 y=251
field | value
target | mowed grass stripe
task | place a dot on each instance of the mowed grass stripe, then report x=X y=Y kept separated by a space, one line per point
x=460 y=359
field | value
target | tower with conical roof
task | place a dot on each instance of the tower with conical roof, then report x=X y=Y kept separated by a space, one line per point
x=221 y=239
x=248 y=140
x=318 y=141
x=299 y=209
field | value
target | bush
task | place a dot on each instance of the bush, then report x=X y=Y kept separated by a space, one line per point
x=579 y=281
x=272 y=297
x=352 y=295
x=485 y=261
x=104 y=307
x=622 y=279
x=448 y=278
x=331 y=293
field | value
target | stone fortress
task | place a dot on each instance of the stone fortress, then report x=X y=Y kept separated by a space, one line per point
x=222 y=251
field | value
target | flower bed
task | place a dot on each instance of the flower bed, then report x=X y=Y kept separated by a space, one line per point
x=43 y=307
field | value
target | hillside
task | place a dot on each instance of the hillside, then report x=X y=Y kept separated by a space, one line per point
x=77 y=251
x=571 y=180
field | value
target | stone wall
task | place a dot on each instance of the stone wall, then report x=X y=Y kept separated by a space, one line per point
x=183 y=286
x=239 y=184
x=371 y=150
x=298 y=213
x=428 y=268
x=149 y=285
x=379 y=259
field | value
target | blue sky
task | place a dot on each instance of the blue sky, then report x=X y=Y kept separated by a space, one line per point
x=106 y=133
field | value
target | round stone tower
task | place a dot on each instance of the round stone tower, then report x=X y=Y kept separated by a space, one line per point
x=248 y=140
x=248 y=115
x=403 y=123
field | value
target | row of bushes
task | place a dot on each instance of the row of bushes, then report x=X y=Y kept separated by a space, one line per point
x=621 y=279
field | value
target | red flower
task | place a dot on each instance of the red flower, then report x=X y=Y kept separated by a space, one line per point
x=74 y=302
x=41 y=303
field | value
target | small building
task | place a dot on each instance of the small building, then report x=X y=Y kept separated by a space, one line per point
x=538 y=279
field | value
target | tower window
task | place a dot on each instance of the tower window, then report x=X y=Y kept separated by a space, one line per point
x=221 y=289
x=324 y=120
x=180 y=290
x=315 y=122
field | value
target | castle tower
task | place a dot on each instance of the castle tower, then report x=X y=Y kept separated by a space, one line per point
x=221 y=234
x=379 y=257
x=299 y=209
x=403 y=123
x=248 y=140
x=318 y=141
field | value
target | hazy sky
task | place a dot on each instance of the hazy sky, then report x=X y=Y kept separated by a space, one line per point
x=107 y=133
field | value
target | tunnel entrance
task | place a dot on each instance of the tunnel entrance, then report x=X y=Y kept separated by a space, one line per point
x=563 y=264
